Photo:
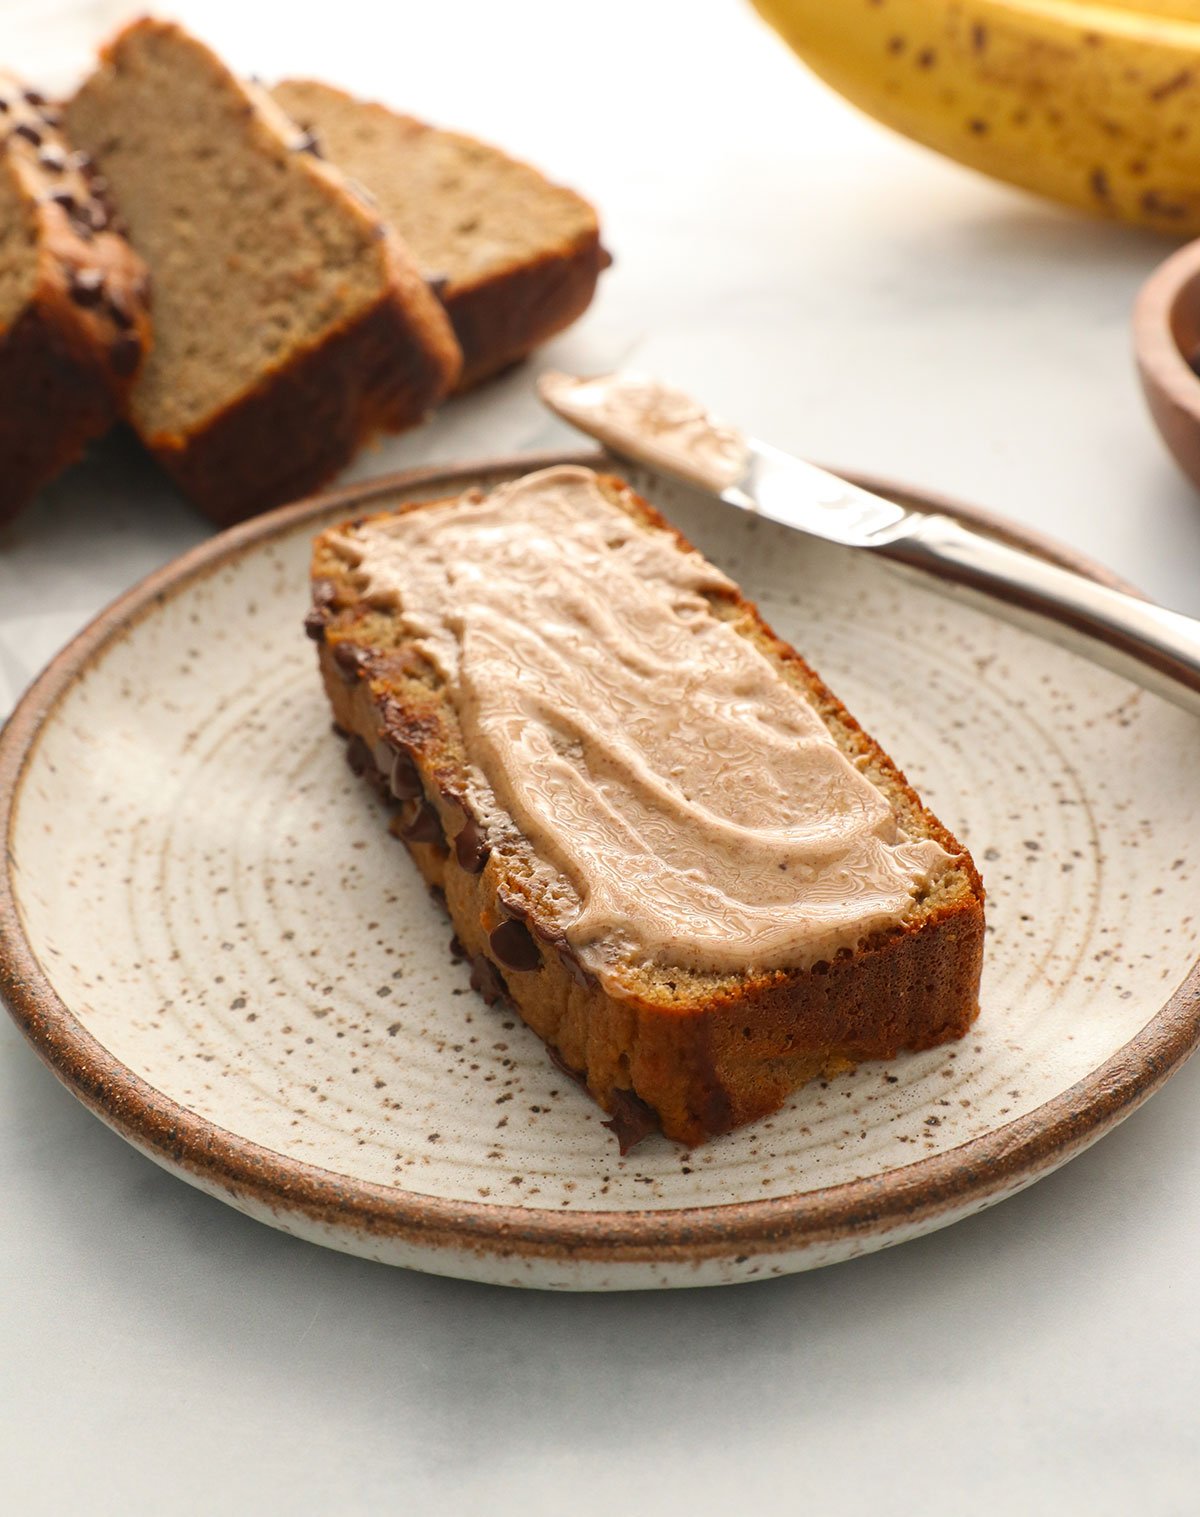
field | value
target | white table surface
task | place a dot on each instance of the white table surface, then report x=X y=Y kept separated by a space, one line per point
x=850 y=297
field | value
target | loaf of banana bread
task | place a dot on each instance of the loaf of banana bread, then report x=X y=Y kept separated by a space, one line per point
x=657 y=832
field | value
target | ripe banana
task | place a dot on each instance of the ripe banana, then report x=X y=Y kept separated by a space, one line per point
x=1093 y=104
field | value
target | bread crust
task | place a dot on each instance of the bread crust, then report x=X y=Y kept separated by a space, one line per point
x=498 y=317
x=714 y=1057
x=500 y=320
x=306 y=420
x=66 y=368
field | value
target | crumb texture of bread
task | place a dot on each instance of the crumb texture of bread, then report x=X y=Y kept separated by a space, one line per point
x=515 y=257
x=74 y=321
x=290 y=324
x=691 y=1051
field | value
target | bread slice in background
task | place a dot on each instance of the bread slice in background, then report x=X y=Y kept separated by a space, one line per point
x=290 y=323
x=694 y=1052
x=514 y=257
x=73 y=300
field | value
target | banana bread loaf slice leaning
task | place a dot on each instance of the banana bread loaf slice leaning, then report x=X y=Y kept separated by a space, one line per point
x=73 y=293
x=290 y=324
x=657 y=833
x=515 y=258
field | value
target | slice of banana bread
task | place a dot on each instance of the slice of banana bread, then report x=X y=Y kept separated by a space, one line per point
x=656 y=831
x=290 y=324
x=514 y=258
x=73 y=317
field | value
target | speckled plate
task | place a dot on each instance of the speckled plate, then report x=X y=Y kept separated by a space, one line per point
x=208 y=933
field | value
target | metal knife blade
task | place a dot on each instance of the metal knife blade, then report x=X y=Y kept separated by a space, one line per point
x=668 y=432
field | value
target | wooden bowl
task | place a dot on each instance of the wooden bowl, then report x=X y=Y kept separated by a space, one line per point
x=1166 y=335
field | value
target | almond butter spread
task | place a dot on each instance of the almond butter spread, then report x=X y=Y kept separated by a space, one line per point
x=652 y=422
x=681 y=803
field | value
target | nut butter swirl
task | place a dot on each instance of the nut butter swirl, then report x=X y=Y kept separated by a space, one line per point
x=684 y=803
x=652 y=422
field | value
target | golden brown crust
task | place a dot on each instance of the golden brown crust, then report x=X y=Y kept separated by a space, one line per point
x=69 y=359
x=303 y=422
x=501 y=319
x=704 y=1058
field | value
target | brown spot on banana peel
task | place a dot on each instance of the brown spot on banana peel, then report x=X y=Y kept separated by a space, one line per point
x=1065 y=112
x=1154 y=204
x=1172 y=86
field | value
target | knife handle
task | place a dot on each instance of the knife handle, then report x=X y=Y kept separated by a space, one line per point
x=1153 y=647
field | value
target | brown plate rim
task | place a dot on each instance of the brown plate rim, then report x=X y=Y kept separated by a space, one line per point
x=915 y=1195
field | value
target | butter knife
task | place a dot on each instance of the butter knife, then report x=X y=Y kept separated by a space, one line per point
x=665 y=430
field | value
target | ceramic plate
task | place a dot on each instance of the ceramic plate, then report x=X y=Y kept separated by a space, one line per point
x=210 y=936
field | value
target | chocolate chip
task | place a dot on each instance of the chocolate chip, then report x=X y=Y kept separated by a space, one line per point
x=52 y=117
x=307 y=143
x=125 y=355
x=438 y=283
x=358 y=755
x=405 y=779
x=457 y=950
x=118 y=309
x=3 y=106
x=314 y=625
x=487 y=980
x=425 y=826
x=471 y=848
x=350 y=661
x=35 y=97
x=52 y=158
x=30 y=132
x=575 y=969
x=513 y=944
x=631 y=1120
x=64 y=198
x=86 y=286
